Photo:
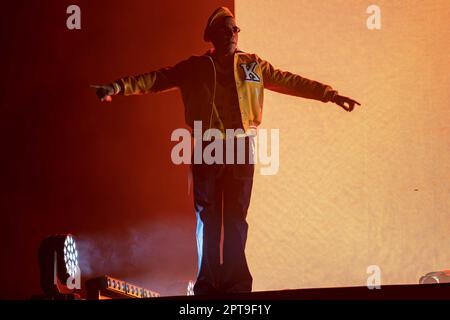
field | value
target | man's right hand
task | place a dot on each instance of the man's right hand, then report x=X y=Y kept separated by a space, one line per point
x=104 y=92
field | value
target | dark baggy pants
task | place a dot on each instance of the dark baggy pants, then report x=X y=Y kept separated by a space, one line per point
x=221 y=199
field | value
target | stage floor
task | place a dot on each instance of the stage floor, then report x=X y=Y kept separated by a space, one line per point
x=388 y=292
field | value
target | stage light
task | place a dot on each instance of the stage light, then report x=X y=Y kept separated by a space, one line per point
x=436 y=277
x=70 y=256
x=190 y=288
x=59 y=266
x=106 y=287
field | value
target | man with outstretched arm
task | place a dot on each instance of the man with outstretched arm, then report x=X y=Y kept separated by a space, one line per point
x=224 y=89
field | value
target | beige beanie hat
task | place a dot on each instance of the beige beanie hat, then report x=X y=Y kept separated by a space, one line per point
x=218 y=13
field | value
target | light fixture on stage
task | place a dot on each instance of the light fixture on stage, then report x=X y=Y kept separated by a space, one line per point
x=436 y=277
x=106 y=287
x=58 y=263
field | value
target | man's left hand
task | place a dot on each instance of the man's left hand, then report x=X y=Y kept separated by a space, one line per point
x=346 y=103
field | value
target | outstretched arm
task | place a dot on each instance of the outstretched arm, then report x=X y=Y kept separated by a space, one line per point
x=154 y=81
x=293 y=84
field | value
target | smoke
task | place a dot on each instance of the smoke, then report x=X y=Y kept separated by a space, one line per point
x=159 y=256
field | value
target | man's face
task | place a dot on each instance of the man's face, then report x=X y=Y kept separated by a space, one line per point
x=224 y=35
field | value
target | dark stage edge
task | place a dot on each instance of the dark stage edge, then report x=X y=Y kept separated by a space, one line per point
x=402 y=301
x=388 y=292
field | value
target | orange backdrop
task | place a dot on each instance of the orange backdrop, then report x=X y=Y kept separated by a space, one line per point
x=371 y=187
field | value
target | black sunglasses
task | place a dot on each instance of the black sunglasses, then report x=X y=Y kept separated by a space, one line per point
x=235 y=29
